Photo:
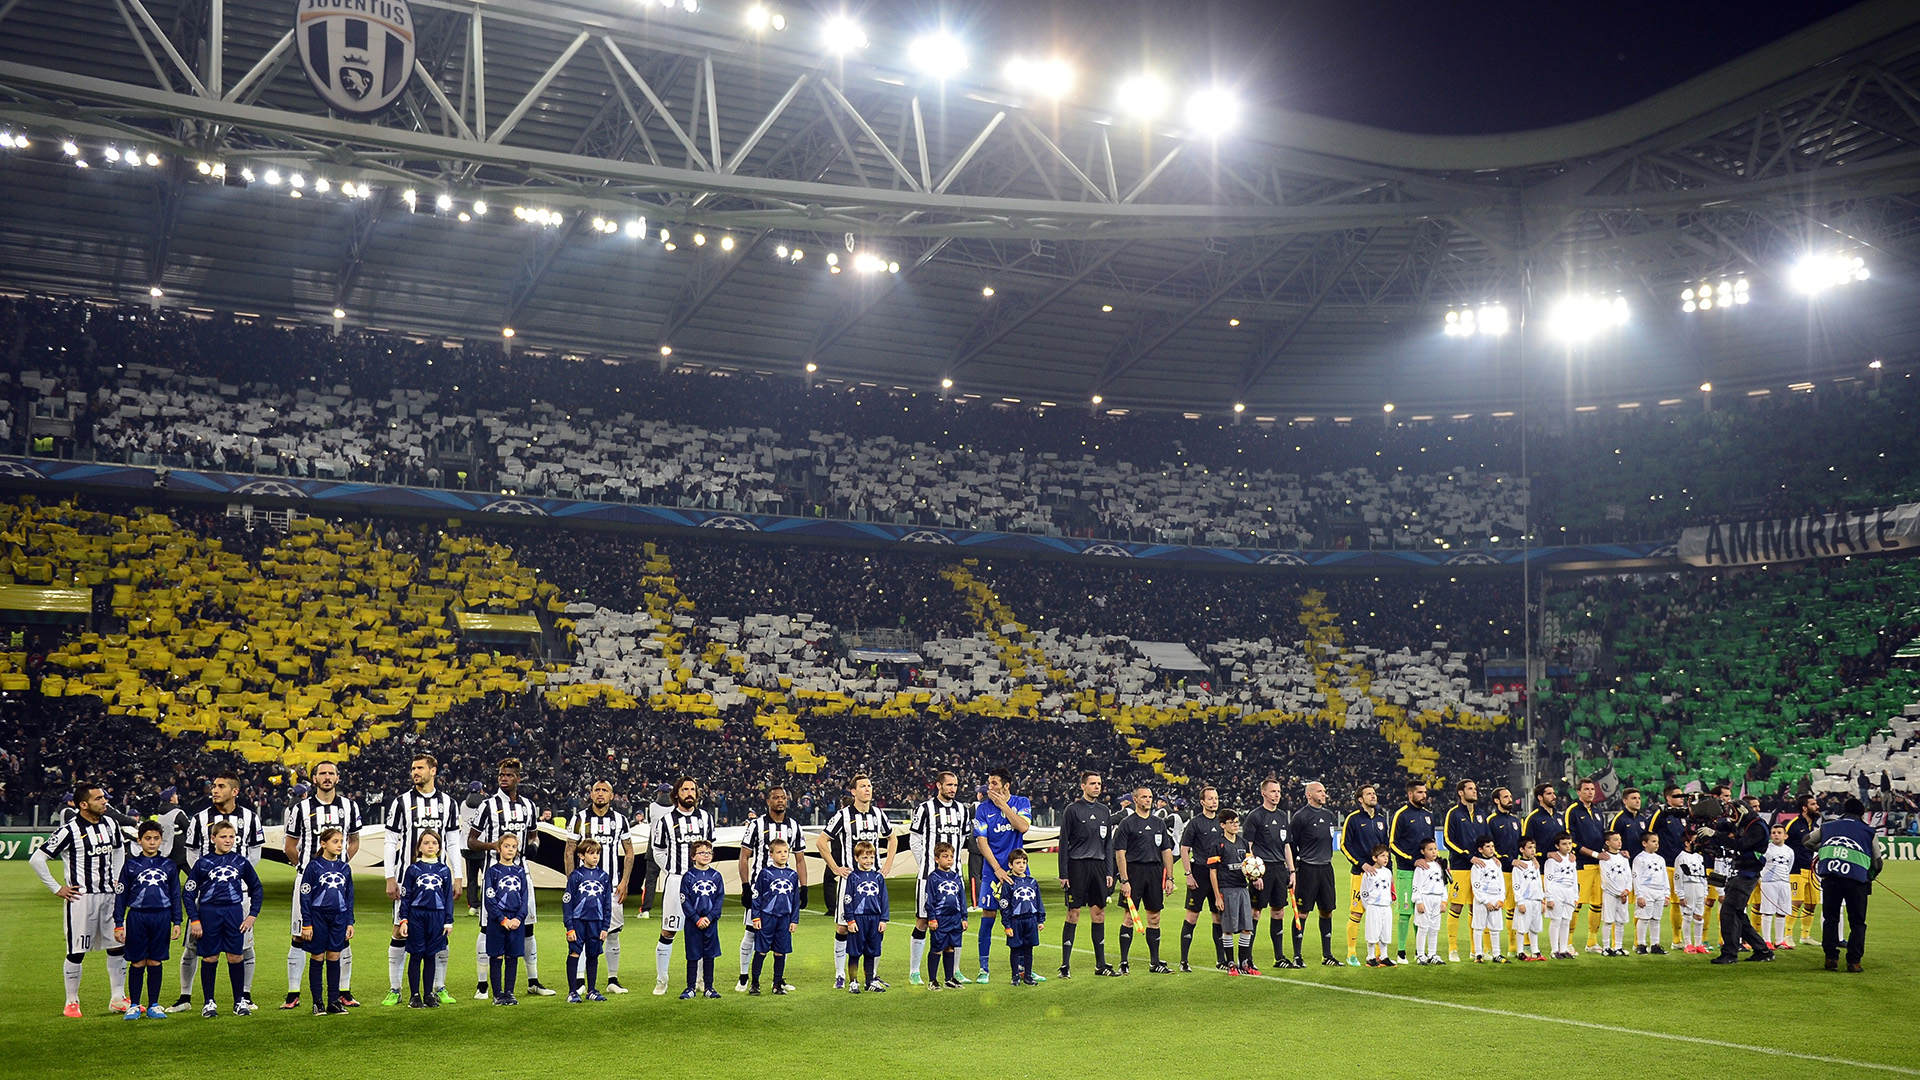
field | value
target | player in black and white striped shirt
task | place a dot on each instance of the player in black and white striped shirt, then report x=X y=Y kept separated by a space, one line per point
x=324 y=809
x=424 y=809
x=761 y=832
x=940 y=820
x=250 y=838
x=92 y=848
x=613 y=831
x=672 y=841
x=858 y=820
x=506 y=812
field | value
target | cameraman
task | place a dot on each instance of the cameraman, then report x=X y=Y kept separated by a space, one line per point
x=1741 y=837
x=1847 y=863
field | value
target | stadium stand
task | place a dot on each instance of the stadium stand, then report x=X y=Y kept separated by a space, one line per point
x=1711 y=675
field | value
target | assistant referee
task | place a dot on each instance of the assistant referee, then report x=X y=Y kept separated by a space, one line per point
x=1313 y=830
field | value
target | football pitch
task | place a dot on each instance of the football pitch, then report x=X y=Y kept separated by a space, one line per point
x=1637 y=1016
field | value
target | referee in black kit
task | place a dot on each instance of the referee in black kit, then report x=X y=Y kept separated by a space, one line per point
x=1086 y=871
x=1143 y=855
x=1314 y=829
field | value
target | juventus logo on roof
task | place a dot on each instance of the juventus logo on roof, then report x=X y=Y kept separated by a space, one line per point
x=358 y=53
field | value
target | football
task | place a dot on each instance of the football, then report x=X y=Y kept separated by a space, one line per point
x=1254 y=867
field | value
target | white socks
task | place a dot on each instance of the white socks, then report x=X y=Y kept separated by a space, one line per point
x=296 y=970
x=746 y=952
x=72 y=972
x=662 y=961
x=346 y=969
x=611 y=955
x=916 y=951
x=839 y=957
x=440 y=969
x=532 y=958
x=116 y=976
x=396 y=967
x=480 y=961
x=246 y=970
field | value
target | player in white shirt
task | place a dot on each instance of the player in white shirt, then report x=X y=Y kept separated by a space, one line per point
x=1690 y=891
x=1776 y=889
x=1616 y=890
x=1376 y=902
x=423 y=808
x=856 y=820
x=92 y=847
x=250 y=838
x=673 y=838
x=1561 y=872
x=1429 y=896
x=324 y=809
x=609 y=828
x=1650 y=898
x=1529 y=902
x=1489 y=902
x=942 y=819
x=756 y=848
x=506 y=812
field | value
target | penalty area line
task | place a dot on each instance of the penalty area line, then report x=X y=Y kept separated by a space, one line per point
x=1613 y=1029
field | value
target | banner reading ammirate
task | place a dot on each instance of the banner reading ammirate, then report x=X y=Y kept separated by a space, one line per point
x=1816 y=536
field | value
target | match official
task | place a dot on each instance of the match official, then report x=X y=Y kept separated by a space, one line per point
x=1313 y=831
x=1086 y=871
x=1143 y=858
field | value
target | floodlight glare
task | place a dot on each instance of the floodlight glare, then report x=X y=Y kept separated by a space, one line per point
x=726 y=243
x=155 y=292
x=1577 y=318
x=1143 y=97
x=761 y=18
x=1052 y=77
x=1213 y=112
x=1706 y=388
x=947 y=384
x=339 y=313
x=1490 y=320
x=939 y=55
x=812 y=367
x=841 y=35
x=1817 y=273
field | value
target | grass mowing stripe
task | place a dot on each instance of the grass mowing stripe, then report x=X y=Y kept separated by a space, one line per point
x=1588 y=1024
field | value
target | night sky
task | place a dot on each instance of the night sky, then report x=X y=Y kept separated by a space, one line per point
x=1429 y=66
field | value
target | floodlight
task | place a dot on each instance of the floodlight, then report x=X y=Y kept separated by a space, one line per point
x=986 y=291
x=1816 y=273
x=1239 y=407
x=1052 y=77
x=1388 y=407
x=155 y=292
x=1577 y=318
x=666 y=350
x=1097 y=399
x=726 y=243
x=1144 y=96
x=939 y=55
x=68 y=148
x=1706 y=388
x=842 y=35
x=339 y=313
x=637 y=228
x=506 y=331
x=272 y=177
x=479 y=208
x=1213 y=112
x=812 y=367
x=947 y=384
x=761 y=18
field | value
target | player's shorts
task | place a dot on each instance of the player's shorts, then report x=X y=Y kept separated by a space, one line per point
x=948 y=932
x=670 y=917
x=503 y=942
x=1616 y=909
x=1563 y=901
x=1313 y=888
x=702 y=944
x=1806 y=888
x=587 y=938
x=1023 y=932
x=1459 y=887
x=1488 y=918
x=220 y=930
x=1403 y=892
x=427 y=933
x=329 y=932
x=1236 y=914
x=1776 y=898
x=1430 y=918
x=774 y=936
x=89 y=923
x=1590 y=891
x=1202 y=896
x=298 y=923
x=1693 y=901
x=1146 y=883
x=1272 y=894
x=1531 y=920
x=149 y=935
x=864 y=939
x=984 y=898
x=1379 y=923
x=1087 y=882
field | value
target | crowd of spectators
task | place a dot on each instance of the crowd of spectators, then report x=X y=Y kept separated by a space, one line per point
x=243 y=394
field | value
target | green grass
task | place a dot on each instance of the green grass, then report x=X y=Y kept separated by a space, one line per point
x=1289 y=1024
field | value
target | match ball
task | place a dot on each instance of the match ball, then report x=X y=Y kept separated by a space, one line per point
x=1254 y=868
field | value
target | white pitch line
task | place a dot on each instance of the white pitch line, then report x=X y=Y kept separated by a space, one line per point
x=1611 y=1028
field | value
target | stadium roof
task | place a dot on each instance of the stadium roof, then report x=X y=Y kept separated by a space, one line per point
x=1296 y=264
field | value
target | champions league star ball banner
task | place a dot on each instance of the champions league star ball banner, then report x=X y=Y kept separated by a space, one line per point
x=1818 y=536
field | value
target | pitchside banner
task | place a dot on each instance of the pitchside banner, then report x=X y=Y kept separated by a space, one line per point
x=1819 y=536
